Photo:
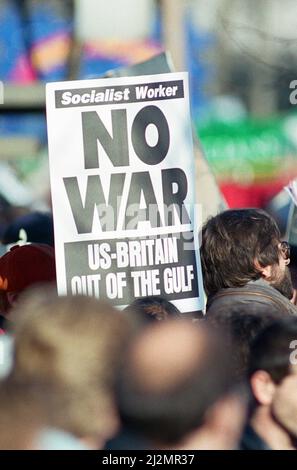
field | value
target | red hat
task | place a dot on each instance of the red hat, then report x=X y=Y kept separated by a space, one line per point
x=26 y=265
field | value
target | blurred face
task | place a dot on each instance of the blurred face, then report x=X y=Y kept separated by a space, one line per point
x=284 y=405
x=280 y=273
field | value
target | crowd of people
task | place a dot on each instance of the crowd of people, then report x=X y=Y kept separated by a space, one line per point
x=77 y=373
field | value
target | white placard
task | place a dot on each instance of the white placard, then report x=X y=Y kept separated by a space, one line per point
x=122 y=182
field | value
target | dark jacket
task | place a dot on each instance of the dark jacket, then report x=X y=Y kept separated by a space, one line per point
x=255 y=295
x=252 y=441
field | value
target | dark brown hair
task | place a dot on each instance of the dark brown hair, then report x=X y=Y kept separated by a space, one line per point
x=242 y=324
x=272 y=348
x=231 y=243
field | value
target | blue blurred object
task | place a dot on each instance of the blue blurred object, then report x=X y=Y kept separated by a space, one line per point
x=14 y=62
x=20 y=125
x=49 y=32
x=201 y=71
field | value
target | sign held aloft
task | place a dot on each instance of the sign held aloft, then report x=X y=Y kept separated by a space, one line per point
x=122 y=181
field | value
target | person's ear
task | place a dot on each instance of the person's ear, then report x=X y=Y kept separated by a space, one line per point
x=266 y=272
x=263 y=387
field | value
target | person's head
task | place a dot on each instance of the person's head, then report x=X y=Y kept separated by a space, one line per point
x=242 y=325
x=273 y=374
x=23 y=267
x=153 y=308
x=73 y=346
x=176 y=384
x=243 y=245
x=34 y=227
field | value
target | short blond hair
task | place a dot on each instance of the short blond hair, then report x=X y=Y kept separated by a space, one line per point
x=73 y=345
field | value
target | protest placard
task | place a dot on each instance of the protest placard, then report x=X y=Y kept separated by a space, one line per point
x=122 y=181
